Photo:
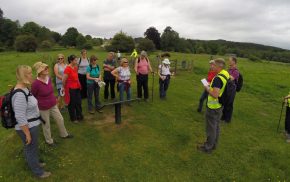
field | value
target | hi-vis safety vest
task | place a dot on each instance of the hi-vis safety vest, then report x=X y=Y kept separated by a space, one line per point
x=213 y=103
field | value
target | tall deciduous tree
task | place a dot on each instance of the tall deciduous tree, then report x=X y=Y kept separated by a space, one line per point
x=8 y=31
x=152 y=34
x=169 y=38
x=121 y=42
x=31 y=28
x=70 y=36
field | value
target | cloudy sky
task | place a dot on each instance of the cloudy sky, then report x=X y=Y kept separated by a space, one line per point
x=259 y=21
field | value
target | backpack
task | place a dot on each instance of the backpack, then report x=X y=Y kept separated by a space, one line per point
x=7 y=114
x=239 y=83
x=91 y=68
x=229 y=92
x=81 y=61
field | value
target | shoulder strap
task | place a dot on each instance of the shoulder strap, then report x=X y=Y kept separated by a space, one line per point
x=223 y=76
x=20 y=90
x=80 y=61
x=138 y=60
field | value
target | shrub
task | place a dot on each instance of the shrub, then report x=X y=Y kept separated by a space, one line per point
x=25 y=43
x=46 y=44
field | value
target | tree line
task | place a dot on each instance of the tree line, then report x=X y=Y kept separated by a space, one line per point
x=32 y=36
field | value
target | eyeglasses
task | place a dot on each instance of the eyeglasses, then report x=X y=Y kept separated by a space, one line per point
x=94 y=60
x=60 y=58
x=46 y=68
x=125 y=62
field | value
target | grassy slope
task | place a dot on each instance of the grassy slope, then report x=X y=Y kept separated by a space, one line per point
x=157 y=141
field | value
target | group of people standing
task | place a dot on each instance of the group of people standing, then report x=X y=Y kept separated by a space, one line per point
x=34 y=102
x=218 y=77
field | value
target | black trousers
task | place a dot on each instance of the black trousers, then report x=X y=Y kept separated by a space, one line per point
x=228 y=109
x=83 y=82
x=287 y=120
x=110 y=83
x=75 y=105
x=142 y=82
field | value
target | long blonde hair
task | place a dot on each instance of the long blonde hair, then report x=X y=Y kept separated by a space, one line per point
x=21 y=74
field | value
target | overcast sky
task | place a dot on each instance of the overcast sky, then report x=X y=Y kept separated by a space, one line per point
x=259 y=21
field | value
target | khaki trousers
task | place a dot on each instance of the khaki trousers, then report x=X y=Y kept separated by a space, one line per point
x=56 y=115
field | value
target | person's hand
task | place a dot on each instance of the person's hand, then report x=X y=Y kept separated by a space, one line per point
x=28 y=139
x=206 y=88
x=97 y=79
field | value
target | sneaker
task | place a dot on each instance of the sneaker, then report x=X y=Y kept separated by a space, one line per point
x=203 y=149
x=45 y=174
x=42 y=164
x=68 y=136
x=75 y=121
x=92 y=112
x=51 y=144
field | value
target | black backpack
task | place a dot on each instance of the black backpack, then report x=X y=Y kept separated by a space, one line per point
x=239 y=83
x=140 y=59
x=228 y=93
x=7 y=114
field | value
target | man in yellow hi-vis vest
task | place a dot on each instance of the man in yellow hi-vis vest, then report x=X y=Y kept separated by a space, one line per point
x=214 y=108
x=287 y=118
x=134 y=54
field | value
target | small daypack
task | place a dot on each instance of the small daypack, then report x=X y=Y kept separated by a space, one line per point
x=91 y=68
x=228 y=93
x=7 y=114
x=239 y=83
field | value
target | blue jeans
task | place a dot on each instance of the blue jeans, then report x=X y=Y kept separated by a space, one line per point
x=93 y=89
x=163 y=86
x=122 y=87
x=31 y=150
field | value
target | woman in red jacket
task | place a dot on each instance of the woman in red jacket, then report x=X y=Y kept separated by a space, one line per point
x=72 y=88
x=210 y=75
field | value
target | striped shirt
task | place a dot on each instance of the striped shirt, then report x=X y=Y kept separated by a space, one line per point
x=25 y=110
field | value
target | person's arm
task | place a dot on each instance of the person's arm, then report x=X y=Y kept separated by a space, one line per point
x=19 y=105
x=64 y=78
x=55 y=69
x=149 y=65
x=136 y=66
x=115 y=73
x=215 y=92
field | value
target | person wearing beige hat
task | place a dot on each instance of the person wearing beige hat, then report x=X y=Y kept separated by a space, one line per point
x=43 y=91
x=210 y=75
x=142 y=69
x=164 y=77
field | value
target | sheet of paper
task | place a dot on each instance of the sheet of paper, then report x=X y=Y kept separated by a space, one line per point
x=204 y=82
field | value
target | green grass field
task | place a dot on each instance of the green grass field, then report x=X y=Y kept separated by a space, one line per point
x=157 y=141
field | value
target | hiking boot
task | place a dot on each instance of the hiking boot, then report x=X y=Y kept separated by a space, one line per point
x=75 y=121
x=45 y=175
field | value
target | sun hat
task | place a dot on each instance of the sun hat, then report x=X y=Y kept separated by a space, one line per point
x=166 y=61
x=39 y=67
x=211 y=61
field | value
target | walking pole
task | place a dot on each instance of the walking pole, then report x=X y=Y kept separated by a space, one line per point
x=152 y=86
x=280 y=117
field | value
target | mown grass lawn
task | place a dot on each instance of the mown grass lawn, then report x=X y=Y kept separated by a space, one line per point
x=157 y=140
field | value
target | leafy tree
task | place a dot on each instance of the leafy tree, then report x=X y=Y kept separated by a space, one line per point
x=56 y=36
x=169 y=38
x=121 y=42
x=1 y=14
x=25 y=43
x=31 y=28
x=97 y=41
x=8 y=31
x=70 y=36
x=80 y=41
x=146 y=44
x=153 y=34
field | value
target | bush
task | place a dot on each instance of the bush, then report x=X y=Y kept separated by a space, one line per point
x=253 y=58
x=121 y=42
x=146 y=44
x=46 y=44
x=25 y=43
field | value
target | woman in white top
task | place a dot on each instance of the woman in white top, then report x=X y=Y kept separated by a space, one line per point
x=27 y=115
x=83 y=63
x=59 y=68
x=164 y=77
x=123 y=74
